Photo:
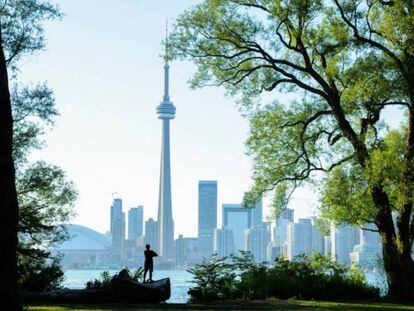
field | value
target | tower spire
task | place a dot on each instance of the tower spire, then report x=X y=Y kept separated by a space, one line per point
x=166 y=41
x=166 y=97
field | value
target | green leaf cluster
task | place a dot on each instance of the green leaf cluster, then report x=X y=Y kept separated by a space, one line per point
x=45 y=194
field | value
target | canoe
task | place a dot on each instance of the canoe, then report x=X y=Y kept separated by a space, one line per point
x=119 y=290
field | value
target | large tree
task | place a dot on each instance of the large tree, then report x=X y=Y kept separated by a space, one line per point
x=21 y=33
x=338 y=65
x=44 y=193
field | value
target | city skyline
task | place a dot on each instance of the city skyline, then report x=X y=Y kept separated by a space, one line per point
x=107 y=139
x=243 y=230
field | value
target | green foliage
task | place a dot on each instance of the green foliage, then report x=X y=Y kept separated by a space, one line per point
x=347 y=190
x=37 y=273
x=22 y=27
x=45 y=195
x=105 y=278
x=214 y=279
x=102 y=281
x=335 y=67
x=316 y=277
x=312 y=52
x=138 y=274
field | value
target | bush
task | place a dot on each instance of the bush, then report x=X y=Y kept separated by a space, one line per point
x=39 y=274
x=102 y=281
x=316 y=277
x=215 y=280
x=105 y=278
x=319 y=278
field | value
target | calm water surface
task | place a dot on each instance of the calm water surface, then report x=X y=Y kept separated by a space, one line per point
x=180 y=281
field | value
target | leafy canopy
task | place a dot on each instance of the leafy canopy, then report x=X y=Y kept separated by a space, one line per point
x=333 y=68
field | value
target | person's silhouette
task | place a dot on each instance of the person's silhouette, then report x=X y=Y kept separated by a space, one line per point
x=149 y=263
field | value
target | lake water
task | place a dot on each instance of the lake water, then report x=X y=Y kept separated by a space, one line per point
x=180 y=281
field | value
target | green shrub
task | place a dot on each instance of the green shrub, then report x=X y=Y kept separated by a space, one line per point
x=102 y=281
x=39 y=274
x=316 y=277
x=319 y=278
x=105 y=278
x=137 y=274
x=214 y=279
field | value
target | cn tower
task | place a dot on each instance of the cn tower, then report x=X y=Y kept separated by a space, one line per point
x=165 y=112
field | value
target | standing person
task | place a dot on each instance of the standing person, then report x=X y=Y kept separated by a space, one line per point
x=149 y=263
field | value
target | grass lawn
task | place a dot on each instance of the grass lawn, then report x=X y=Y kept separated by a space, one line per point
x=234 y=305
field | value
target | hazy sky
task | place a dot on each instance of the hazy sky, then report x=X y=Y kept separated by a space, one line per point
x=102 y=61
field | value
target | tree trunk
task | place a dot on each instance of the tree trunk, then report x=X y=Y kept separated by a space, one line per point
x=398 y=264
x=400 y=275
x=9 y=211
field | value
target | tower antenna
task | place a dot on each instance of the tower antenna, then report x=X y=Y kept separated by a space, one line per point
x=166 y=40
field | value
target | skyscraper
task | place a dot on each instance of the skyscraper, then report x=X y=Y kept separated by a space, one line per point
x=151 y=233
x=257 y=214
x=288 y=214
x=135 y=222
x=256 y=241
x=237 y=218
x=186 y=252
x=343 y=240
x=299 y=238
x=327 y=246
x=280 y=234
x=117 y=230
x=318 y=240
x=367 y=253
x=166 y=112
x=223 y=242
x=116 y=211
x=207 y=215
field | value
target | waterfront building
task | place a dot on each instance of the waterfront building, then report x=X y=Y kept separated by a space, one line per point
x=368 y=236
x=187 y=253
x=85 y=248
x=135 y=222
x=256 y=240
x=273 y=251
x=369 y=251
x=318 y=241
x=299 y=238
x=207 y=215
x=288 y=214
x=343 y=240
x=165 y=112
x=327 y=246
x=223 y=242
x=366 y=255
x=280 y=234
x=117 y=230
x=151 y=234
x=257 y=214
x=236 y=218
x=116 y=212
x=134 y=251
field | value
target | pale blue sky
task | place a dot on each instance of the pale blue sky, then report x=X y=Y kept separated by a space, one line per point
x=102 y=61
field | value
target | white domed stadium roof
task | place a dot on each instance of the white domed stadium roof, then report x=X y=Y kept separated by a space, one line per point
x=84 y=238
